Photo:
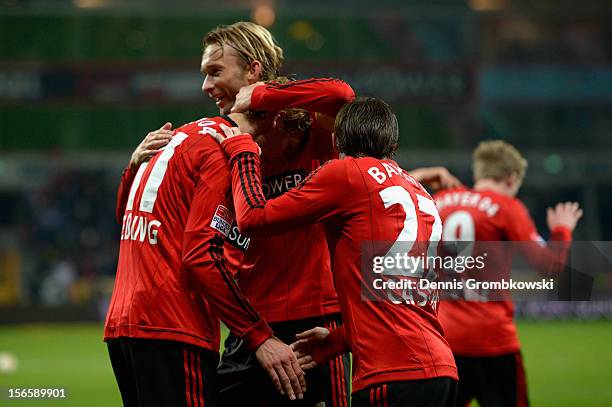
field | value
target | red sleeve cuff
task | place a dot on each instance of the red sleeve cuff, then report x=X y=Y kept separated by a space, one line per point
x=334 y=345
x=257 y=334
x=257 y=97
x=561 y=233
x=240 y=144
x=128 y=175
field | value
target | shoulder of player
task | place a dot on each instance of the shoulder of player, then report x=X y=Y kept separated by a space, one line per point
x=379 y=171
x=444 y=192
x=199 y=133
x=505 y=202
x=202 y=126
x=333 y=170
x=198 y=146
x=516 y=205
x=511 y=211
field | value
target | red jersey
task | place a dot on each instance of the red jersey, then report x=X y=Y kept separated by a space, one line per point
x=486 y=328
x=288 y=277
x=359 y=201
x=176 y=261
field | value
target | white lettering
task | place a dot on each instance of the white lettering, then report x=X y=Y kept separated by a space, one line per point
x=127 y=222
x=153 y=231
x=137 y=228
x=377 y=174
x=390 y=170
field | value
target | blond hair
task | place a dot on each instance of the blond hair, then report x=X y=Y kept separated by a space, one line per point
x=497 y=160
x=252 y=42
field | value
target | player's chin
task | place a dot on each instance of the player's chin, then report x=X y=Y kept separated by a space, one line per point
x=226 y=108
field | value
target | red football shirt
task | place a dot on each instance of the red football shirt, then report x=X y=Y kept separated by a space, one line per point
x=360 y=202
x=288 y=277
x=486 y=328
x=176 y=258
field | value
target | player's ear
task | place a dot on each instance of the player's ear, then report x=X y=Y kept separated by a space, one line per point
x=255 y=71
x=513 y=179
x=279 y=118
x=333 y=140
x=512 y=182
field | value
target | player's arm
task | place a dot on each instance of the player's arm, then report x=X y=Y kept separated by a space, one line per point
x=435 y=177
x=320 y=95
x=147 y=148
x=203 y=256
x=204 y=251
x=123 y=192
x=321 y=131
x=318 y=345
x=317 y=198
x=548 y=259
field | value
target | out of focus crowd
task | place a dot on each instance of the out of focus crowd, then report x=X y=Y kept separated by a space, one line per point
x=60 y=246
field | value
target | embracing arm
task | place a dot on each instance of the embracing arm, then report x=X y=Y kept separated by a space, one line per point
x=435 y=177
x=150 y=145
x=320 y=95
x=319 y=197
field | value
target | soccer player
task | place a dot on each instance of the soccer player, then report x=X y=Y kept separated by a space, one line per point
x=175 y=278
x=287 y=278
x=482 y=333
x=400 y=355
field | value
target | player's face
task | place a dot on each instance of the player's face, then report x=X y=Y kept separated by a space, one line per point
x=224 y=74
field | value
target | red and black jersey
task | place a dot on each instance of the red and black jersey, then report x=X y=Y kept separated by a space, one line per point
x=288 y=277
x=359 y=201
x=486 y=328
x=176 y=260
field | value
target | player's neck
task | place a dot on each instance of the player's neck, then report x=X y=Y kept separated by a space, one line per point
x=494 y=186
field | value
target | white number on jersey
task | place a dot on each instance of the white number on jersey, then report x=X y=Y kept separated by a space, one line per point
x=149 y=194
x=405 y=241
x=459 y=227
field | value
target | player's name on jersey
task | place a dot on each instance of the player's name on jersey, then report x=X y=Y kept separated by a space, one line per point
x=470 y=200
x=139 y=228
x=382 y=172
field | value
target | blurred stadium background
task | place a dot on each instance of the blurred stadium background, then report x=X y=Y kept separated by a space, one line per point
x=82 y=82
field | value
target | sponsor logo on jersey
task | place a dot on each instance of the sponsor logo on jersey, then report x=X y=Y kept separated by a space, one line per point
x=278 y=184
x=222 y=220
x=237 y=239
